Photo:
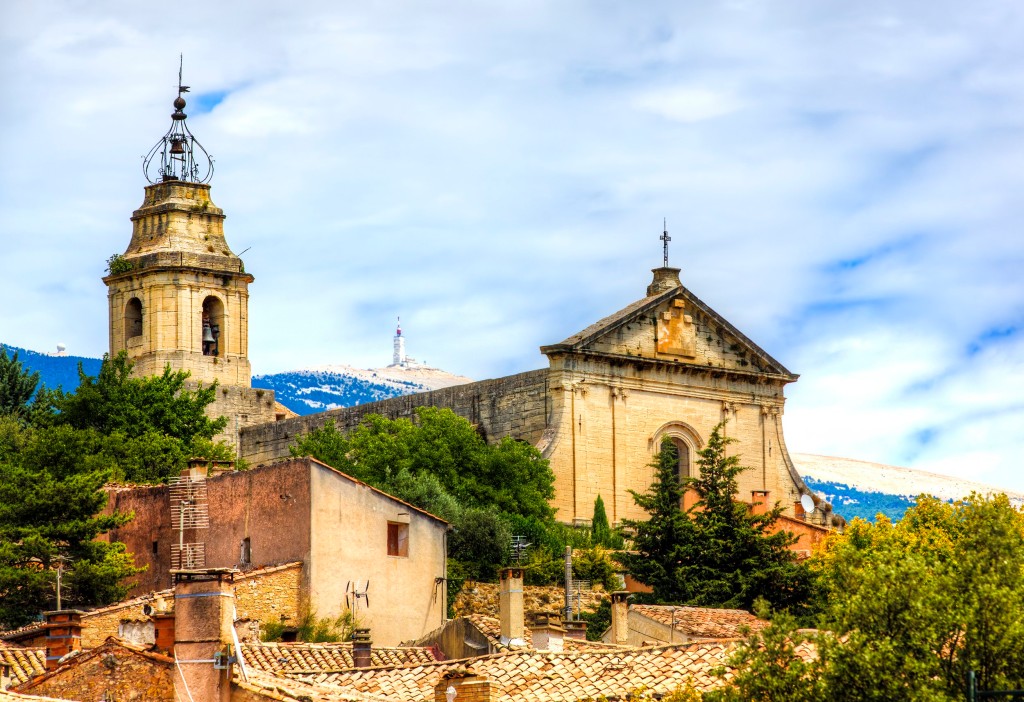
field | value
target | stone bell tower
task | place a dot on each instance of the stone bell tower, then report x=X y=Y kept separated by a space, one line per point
x=179 y=296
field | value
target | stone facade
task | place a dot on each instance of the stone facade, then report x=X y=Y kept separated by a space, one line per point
x=666 y=366
x=179 y=297
x=270 y=594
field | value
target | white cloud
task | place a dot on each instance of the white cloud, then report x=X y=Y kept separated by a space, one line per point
x=687 y=105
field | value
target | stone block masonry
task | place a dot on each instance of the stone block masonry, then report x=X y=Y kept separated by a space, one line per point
x=517 y=405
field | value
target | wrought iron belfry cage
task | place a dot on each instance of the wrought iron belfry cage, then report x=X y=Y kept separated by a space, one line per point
x=178 y=155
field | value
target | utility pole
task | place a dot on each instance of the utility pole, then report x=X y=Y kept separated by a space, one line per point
x=568 y=583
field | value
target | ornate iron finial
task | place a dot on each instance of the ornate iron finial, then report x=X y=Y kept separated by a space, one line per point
x=665 y=238
x=178 y=155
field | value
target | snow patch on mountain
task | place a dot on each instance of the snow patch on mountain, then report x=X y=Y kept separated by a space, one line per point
x=322 y=388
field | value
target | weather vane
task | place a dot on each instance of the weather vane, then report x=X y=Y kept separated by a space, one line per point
x=665 y=238
x=178 y=155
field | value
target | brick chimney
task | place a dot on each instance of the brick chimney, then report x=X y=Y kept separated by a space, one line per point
x=362 y=648
x=575 y=629
x=620 y=618
x=510 y=606
x=63 y=635
x=759 y=501
x=546 y=631
x=665 y=278
x=464 y=685
x=203 y=627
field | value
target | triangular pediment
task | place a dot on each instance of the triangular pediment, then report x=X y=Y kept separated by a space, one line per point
x=673 y=326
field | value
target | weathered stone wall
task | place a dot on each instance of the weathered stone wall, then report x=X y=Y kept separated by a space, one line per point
x=271 y=594
x=98 y=625
x=513 y=406
x=482 y=598
x=243 y=406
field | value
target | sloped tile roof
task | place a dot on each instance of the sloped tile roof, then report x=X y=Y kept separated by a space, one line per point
x=111 y=644
x=318 y=657
x=24 y=662
x=272 y=687
x=548 y=677
x=704 y=622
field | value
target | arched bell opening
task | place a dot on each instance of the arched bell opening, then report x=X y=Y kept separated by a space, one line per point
x=132 y=319
x=213 y=325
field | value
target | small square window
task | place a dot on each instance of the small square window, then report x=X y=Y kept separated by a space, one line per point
x=398 y=539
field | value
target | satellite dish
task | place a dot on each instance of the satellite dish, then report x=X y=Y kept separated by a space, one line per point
x=147 y=609
x=807 y=502
x=61 y=348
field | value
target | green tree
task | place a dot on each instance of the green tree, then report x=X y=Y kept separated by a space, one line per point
x=600 y=530
x=510 y=475
x=659 y=550
x=16 y=385
x=918 y=603
x=50 y=515
x=717 y=553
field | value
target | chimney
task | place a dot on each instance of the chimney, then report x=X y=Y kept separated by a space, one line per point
x=546 y=631
x=665 y=278
x=163 y=631
x=576 y=629
x=464 y=685
x=620 y=618
x=362 y=648
x=63 y=635
x=759 y=501
x=203 y=633
x=510 y=606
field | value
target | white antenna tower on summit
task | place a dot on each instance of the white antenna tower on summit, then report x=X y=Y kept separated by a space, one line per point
x=399 y=356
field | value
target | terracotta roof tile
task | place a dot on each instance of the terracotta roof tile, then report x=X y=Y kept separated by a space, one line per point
x=327 y=657
x=548 y=677
x=24 y=662
x=272 y=687
x=703 y=622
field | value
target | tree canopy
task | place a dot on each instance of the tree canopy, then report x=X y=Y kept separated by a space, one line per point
x=716 y=553
x=905 y=610
x=394 y=454
x=58 y=449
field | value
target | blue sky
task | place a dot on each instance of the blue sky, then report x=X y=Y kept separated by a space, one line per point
x=843 y=181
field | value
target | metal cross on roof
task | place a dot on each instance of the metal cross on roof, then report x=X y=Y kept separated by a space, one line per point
x=665 y=238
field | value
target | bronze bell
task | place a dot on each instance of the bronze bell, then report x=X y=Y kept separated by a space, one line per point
x=208 y=334
x=177 y=146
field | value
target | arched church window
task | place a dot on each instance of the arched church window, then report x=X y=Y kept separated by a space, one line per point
x=132 y=319
x=683 y=454
x=213 y=323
